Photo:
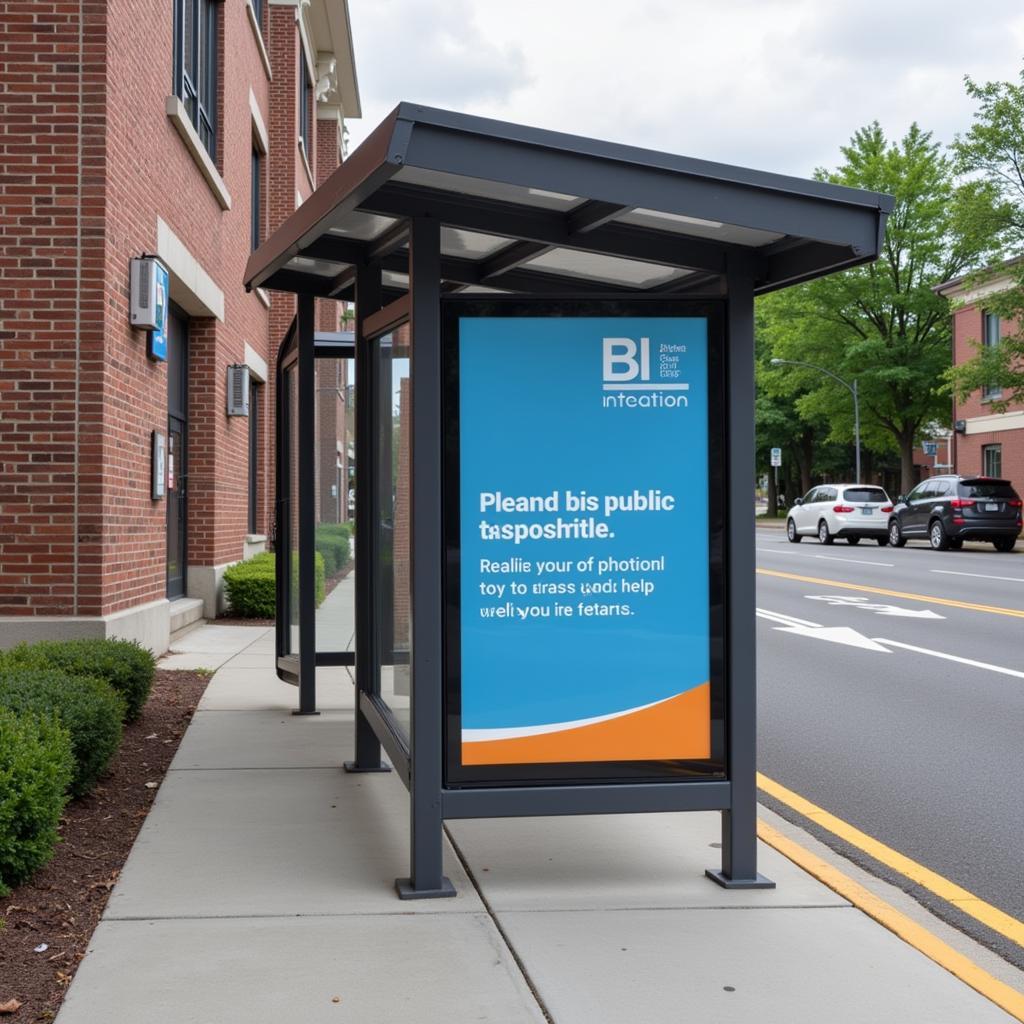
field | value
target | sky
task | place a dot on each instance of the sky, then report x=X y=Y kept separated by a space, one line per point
x=777 y=85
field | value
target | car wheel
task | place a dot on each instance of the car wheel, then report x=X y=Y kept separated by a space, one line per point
x=937 y=536
x=1005 y=543
x=896 y=538
x=823 y=535
x=882 y=541
x=794 y=537
x=852 y=540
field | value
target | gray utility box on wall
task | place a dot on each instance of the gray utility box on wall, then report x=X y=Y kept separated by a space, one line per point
x=238 y=390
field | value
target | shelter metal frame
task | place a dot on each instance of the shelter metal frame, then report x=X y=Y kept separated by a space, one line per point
x=434 y=202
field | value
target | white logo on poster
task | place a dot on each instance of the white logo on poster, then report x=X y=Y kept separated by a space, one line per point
x=626 y=375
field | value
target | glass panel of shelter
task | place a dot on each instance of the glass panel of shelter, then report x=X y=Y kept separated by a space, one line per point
x=393 y=453
x=335 y=502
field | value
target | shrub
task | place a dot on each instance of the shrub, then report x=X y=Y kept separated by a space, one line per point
x=124 y=664
x=35 y=770
x=335 y=553
x=250 y=587
x=89 y=709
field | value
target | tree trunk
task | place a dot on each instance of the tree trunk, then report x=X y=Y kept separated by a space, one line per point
x=907 y=463
x=773 y=494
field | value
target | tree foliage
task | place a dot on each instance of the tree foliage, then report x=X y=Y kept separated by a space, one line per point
x=881 y=323
x=990 y=156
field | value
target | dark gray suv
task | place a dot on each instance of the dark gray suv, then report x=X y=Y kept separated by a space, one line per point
x=947 y=510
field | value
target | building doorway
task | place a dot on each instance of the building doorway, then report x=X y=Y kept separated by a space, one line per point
x=177 y=455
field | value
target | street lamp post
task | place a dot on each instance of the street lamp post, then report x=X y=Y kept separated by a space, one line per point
x=852 y=388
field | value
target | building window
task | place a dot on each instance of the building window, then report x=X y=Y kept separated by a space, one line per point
x=257 y=9
x=195 y=65
x=254 y=449
x=990 y=338
x=305 y=103
x=992 y=460
x=257 y=197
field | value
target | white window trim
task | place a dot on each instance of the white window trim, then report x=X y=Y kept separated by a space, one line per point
x=261 y=45
x=179 y=118
x=259 y=126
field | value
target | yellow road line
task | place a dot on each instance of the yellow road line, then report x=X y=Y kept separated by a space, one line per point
x=990 y=916
x=1005 y=997
x=992 y=609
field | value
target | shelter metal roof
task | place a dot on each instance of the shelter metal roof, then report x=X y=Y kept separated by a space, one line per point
x=528 y=210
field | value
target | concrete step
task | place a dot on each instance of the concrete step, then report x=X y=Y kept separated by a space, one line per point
x=186 y=614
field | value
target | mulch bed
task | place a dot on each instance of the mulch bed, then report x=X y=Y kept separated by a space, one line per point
x=62 y=904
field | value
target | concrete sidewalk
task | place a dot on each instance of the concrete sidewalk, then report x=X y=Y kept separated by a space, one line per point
x=260 y=889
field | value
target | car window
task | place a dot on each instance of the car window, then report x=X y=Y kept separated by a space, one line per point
x=987 y=489
x=943 y=489
x=828 y=494
x=812 y=495
x=918 y=492
x=865 y=494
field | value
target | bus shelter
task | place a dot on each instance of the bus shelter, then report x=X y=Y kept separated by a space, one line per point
x=554 y=463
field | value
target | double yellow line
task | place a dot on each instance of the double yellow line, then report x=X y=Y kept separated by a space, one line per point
x=949 y=602
x=920 y=938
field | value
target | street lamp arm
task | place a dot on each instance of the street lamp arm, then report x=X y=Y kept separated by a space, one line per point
x=811 y=366
x=852 y=388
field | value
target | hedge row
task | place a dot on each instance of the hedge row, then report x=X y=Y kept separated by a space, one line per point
x=334 y=543
x=251 y=589
x=62 y=705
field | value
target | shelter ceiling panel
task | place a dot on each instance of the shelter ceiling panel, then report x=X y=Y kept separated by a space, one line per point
x=447 y=182
x=595 y=266
x=696 y=227
x=364 y=226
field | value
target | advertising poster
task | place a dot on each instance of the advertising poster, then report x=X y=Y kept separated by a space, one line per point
x=584 y=539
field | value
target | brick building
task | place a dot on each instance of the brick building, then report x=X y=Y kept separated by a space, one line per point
x=187 y=130
x=985 y=442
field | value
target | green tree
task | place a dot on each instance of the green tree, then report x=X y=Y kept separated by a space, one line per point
x=990 y=156
x=882 y=324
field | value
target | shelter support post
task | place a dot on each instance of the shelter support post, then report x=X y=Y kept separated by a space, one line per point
x=739 y=822
x=426 y=827
x=368 y=302
x=306 y=427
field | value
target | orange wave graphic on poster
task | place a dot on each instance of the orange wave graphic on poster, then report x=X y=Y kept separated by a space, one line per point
x=676 y=728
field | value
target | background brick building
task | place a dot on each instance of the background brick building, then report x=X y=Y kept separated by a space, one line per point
x=987 y=443
x=187 y=130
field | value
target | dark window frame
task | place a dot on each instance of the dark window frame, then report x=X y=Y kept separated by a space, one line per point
x=256 y=197
x=258 y=7
x=305 y=103
x=254 y=450
x=992 y=450
x=991 y=329
x=198 y=91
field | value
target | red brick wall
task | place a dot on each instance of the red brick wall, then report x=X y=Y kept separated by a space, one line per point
x=150 y=173
x=52 y=207
x=967 y=328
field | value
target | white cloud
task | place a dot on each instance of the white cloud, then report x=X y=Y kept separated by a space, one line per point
x=774 y=84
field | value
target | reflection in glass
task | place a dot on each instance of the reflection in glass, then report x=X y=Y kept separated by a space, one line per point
x=291 y=522
x=335 y=507
x=394 y=623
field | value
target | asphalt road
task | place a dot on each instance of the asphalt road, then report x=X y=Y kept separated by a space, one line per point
x=864 y=711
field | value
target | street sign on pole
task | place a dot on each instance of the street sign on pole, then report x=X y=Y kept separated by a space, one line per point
x=930 y=447
x=776 y=456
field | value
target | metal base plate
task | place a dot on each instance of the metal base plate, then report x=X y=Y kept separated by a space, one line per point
x=353 y=768
x=759 y=882
x=305 y=713
x=405 y=890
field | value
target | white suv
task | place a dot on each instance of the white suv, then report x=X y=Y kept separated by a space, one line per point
x=851 y=511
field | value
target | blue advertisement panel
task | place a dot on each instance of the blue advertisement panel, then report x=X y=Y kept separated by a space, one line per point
x=584 y=631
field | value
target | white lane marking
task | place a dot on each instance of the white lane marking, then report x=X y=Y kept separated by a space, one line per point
x=979 y=575
x=953 y=657
x=830 y=558
x=787 y=620
x=859 y=561
x=849 y=601
x=834 y=634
